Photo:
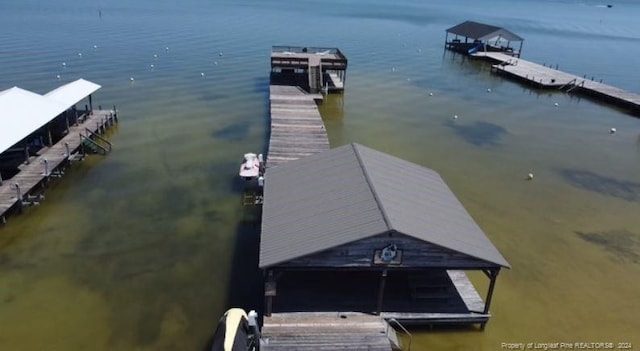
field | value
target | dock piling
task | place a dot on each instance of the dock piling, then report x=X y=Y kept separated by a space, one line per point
x=46 y=167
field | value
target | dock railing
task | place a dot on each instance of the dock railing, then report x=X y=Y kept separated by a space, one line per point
x=108 y=144
x=404 y=330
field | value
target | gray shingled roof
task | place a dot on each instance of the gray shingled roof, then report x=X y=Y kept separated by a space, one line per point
x=481 y=31
x=354 y=192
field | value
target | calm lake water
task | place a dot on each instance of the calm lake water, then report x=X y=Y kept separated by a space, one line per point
x=144 y=249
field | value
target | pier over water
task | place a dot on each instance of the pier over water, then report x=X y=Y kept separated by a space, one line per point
x=41 y=134
x=299 y=77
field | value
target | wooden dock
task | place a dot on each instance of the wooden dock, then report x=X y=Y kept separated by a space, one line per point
x=302 y=331
x=464 y=290
x=548 y=77
x=15 y=192
x=297 y=129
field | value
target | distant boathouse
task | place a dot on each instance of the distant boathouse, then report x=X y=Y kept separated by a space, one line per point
x=470 y=37
x=495 y=44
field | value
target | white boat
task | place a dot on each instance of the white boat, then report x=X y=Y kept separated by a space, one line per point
x=236 y=331
x=250 y=167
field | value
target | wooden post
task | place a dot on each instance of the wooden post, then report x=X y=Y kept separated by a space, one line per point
x=90 y=104
x=26 y=153
x=269 y=293
x=0 y=178
x=492 y=274
x=49 y=138
x=520 y=50
x=66 y=119
x=46 y=167
x=383 y=280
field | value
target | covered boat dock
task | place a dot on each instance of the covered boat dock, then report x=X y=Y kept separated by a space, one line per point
x=40 y=133
x=470 y=37
x=314 y=69
x=355 y=230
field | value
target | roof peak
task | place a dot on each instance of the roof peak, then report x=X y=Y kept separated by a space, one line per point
x=356 y=152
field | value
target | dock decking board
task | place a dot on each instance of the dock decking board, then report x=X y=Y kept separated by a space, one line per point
x=548 y=77
x=325 y=331
x=32 y=174
x=297 y=129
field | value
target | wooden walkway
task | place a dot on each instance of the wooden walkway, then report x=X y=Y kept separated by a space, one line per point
x=33 y=174
x=548 y=77
x=302 y=331
x=297 y=129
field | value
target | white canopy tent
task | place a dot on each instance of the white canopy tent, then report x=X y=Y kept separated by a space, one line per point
x=22 y=112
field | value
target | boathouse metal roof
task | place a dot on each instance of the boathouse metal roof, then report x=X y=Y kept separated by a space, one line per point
x=22 y=112
x=354 y=192
x=72 y=93
x=481 y=31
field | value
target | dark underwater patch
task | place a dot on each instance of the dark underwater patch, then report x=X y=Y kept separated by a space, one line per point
x=609 y=186
x=622 y=244
x=478 y=133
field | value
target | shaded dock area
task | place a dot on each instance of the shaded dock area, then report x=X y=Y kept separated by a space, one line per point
x=413 y=298
x=544 y=77
x=297 y=129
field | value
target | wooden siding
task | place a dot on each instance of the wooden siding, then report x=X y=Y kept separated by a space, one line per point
x=415 y=254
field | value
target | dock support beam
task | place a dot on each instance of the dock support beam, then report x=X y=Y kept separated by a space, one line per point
x=492 y=274
x=269 y=293
x=383 y=281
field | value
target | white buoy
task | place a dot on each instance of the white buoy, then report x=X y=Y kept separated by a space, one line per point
x=131 y=79
x=166 y=49
x=215 y=63
x=488 y=90
x=80 y=54
x=430 y=94
x=202 y=74
x=58 y=77
x=556 y=104
x=530 y=176
x=220 y=54
x=455 y=116
x=152 y=66
x=64 y=64
x=393 y=69
x=95 y=47
x=612 y=130
x=155 y=56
